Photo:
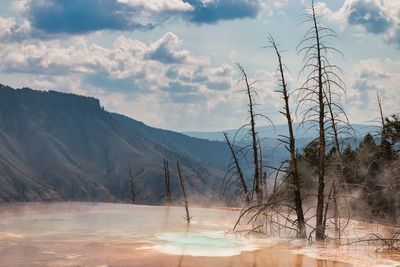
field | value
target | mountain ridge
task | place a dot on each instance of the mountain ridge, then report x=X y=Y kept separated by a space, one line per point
x=274 y=131
x=56 y=146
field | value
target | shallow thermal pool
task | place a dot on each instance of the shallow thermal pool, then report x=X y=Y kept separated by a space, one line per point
x=81 y=234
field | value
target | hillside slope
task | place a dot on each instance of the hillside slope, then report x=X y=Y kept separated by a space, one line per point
x=56 y=146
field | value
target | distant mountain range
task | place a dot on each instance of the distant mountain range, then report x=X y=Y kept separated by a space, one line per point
x=273 y=150
x=56 y=146
x=303 y=131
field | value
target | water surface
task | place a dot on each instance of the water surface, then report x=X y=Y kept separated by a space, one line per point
x=81 y=234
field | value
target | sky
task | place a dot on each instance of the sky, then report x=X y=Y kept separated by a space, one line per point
x=173 y=63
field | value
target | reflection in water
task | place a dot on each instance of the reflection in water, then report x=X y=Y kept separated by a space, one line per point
x=126 y=235
x=183 y=248
x=299 y=260
x=180 y=261
x=254 y=260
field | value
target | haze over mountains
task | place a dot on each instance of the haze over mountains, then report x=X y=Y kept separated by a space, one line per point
x=274 y=152
x=56 y=146
x=274 y=131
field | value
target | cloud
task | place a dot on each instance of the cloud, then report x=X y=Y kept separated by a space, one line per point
x=14 y=29
x=369 y=77
x=128 y=80
x=178 y=87
x=101 y=80
x=191 y=98
x=223 y=85
x=158 y=6
x=393 y=35
x=378 y=17
x=322 y=9
x=82 y=16
x=51 y=18
x=212 y=11
x=165 y=50
x=375 y=74
x=363 y=85
x=130 y=66
x=370 y=15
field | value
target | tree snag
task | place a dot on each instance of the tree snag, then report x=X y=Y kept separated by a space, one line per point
x=320 y=77
x=257 y=176
x=293 y=170
x=186 y=203
x=167 y=182
x=131 y=187
x=238 y=172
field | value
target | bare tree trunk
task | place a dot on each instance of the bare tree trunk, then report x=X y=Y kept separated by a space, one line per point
x=335 y=209
x=381 y=111
x=263 y=174
x=339 y=158
x=385 y=149
x=238 y=170
x=257 y=176
x=187 y=217
x=131 y=187
x=327 y=207
x=320 y=229
x=320 y=74
x=167 y=182
x=292 y=149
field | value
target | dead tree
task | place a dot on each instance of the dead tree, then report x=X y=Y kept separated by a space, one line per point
x=320 y=77
x=186 y=203
x=270 y=214
x=382 y=120
x=381 y=111
x=383 y=243
x=257 y=175
x=237 y=171
x=385 y=148
x=339 y=124
x=272 y=217
x=262 y=173
x=167 y=182
x=290 y=140
x=131 y=187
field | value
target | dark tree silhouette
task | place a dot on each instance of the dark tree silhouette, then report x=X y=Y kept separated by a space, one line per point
x=186 y=203
x=235 y=171
x=131 y=187
x=290 y=141
x=167 y=182
x=321 y=80
x=257 y=180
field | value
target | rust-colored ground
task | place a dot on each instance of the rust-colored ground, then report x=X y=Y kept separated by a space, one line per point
x=77 y=253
